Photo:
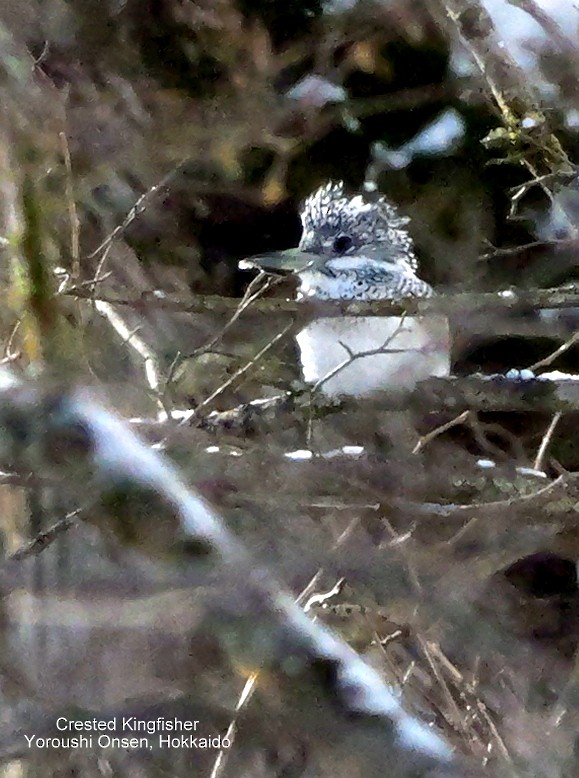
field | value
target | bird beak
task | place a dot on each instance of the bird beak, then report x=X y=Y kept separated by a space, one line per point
x=288 y=261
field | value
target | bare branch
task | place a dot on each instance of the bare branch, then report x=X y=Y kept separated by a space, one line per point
x=538 y=464
x=518 y=105
x=44 y=539
x=138 y=208
x=511 y=299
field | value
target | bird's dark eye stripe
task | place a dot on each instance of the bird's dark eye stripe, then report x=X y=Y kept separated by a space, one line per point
x=342 y=243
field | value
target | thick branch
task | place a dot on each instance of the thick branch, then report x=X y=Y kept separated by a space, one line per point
x=465 y=302
x=496 y=393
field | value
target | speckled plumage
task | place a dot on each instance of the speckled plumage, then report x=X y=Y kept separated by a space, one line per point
x=365 y=251
x=358 y=248
x=329 y=211
x=361 y=250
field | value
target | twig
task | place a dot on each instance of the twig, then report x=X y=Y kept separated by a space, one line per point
x=494 y=393
x=353 y=357
x=238 y=373
x=459 y=680
x=548 y=360
x=254 y=291
x=138 y=344
x=547 y=178
x=457 y=718
x=245 y=697
x=251 y=683
x=71 y=205
x=508 y=251
x=454 y=395
x=44 y=539
x=496 y=509
x=425 y=439
x=138 y=208
x=547 y=22
x=481 y=432
x=8 y=353
x=546 y=440
x=510 y=89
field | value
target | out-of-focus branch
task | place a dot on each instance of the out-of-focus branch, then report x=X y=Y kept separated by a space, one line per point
x=548 y=24
x=496 y=393
x=508 y=87
x=524 y=121
x=139 y=207
x=47 y=339
x=456 y=395
x=140 y=499
x=44 y=539
x=464 y=302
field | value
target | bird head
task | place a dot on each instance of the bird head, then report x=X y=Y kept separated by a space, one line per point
x=336 y=225
x=351 y=248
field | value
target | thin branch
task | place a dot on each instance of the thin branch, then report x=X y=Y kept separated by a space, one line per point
x=496 y=509
x=453 y=395
x=510 y=90
x=254 y=292
x=491 y=393
x=509 y=251
x=353 y=357
x=548 y=360
x=241 y=371
x=425 y=439
x=138 y=208
x=251 y=684
x=71 y=205
x=44 y=539
x=547 y=437
x=548 y=24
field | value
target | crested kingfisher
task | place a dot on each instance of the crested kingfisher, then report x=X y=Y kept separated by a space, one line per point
x=353 y=248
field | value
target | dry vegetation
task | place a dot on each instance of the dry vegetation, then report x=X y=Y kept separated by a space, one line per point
x=147 y=146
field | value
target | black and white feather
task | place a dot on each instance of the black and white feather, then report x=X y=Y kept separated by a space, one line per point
x=358 y=248
x=363 y=249
x=329 y=213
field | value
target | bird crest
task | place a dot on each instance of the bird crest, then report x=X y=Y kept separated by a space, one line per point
x=329 y=210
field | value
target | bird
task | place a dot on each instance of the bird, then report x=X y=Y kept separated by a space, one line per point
x=356 y=248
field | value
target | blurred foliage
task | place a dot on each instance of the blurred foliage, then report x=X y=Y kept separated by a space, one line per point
x=148 y=145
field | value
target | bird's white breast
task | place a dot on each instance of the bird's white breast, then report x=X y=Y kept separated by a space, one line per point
x=423 y=343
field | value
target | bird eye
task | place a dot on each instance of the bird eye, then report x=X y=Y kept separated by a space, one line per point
x=342 y=243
